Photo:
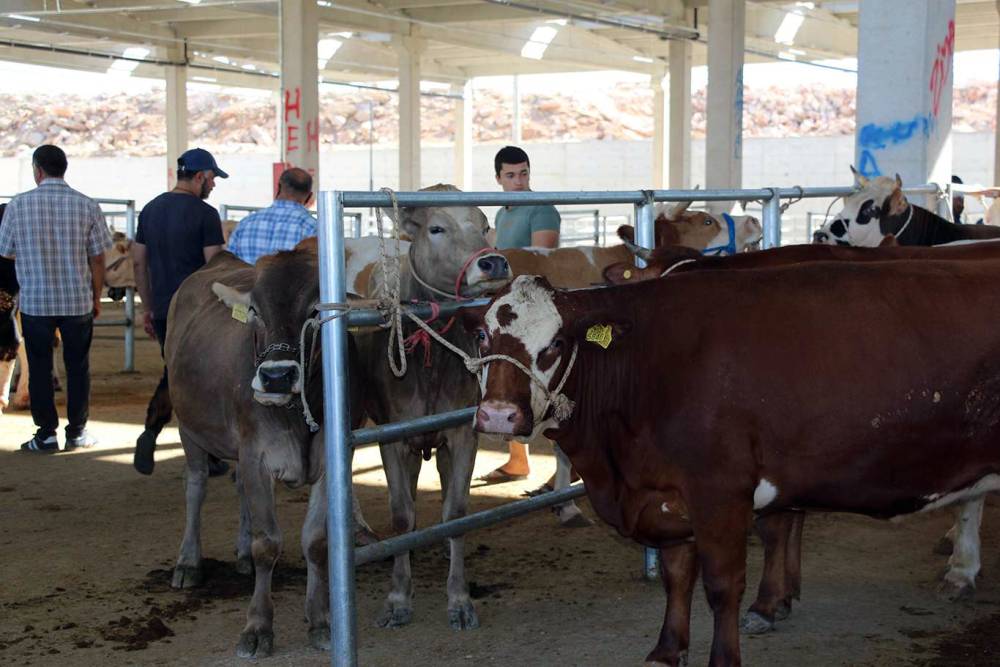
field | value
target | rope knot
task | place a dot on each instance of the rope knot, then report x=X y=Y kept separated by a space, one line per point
x=562 y=407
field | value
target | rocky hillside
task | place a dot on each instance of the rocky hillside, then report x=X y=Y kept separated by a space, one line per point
x=133 y=125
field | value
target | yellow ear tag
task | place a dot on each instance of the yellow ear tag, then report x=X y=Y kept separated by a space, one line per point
x=600 y=334
x=241 y=312
x=627 y=274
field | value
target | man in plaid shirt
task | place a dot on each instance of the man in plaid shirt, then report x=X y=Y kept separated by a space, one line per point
x=281 y=225
x=57 y=238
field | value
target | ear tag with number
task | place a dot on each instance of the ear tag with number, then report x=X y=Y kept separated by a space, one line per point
x=600 y=334
x=241 y=312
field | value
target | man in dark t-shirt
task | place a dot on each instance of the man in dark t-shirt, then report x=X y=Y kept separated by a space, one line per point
x=178 y=234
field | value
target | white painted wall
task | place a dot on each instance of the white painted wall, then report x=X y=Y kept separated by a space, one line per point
x=596 y=165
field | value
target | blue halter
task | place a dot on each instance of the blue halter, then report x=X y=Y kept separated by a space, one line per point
x=730 y=247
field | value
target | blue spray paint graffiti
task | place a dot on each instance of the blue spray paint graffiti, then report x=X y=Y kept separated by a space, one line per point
x=873 y=138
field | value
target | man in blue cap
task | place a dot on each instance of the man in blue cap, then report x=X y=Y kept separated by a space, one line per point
x=178 y=234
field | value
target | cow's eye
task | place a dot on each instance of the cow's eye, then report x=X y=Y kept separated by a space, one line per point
x=709 y=222
x=481 y=336
x=556 y=344
x=436 y=230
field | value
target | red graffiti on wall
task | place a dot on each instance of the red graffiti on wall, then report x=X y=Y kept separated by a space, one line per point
x=293 y=124
x=941 y=69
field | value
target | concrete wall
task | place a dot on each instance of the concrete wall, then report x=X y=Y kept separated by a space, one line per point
x=596 y=165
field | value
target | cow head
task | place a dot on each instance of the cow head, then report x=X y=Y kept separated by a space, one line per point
x=448 y=243
x=524 y=321
x=677 y=226
x=284 y=296
x=862 y=220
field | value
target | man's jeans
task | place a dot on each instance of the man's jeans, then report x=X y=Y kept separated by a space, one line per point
x=39 y=335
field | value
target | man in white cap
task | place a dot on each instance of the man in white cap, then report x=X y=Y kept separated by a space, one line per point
x=178 y=233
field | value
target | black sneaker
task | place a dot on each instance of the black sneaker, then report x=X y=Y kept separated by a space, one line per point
x=82 y=440
x=41 y=444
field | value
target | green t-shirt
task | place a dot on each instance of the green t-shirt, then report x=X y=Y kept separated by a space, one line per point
x=515 y=225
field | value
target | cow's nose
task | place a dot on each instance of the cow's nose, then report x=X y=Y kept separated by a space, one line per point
x=278 y=378
x=494 y=266
x=500 y=417
x=820 y=237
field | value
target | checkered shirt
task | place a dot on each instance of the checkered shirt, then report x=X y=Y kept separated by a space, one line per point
x=51 y=231
x=278 y=227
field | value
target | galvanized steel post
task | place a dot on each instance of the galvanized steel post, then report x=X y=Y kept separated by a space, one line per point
x=337 y=437
x=130 y=296
x=772 y=220
x=645 y=236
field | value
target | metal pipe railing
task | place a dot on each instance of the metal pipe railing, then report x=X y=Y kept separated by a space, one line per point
x=339 y=440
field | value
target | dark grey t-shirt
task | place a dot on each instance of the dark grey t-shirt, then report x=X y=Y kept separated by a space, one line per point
x=175 y=228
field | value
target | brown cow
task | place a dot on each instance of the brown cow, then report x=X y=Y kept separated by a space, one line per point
x=781 y=581
x=656 y=419
x=234 y=367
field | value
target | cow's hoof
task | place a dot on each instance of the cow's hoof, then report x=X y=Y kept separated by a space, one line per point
x=394 y=617
x=957 y=592
x=463 y=617
x=187 y=576
x=255 y=644
x=783 y=611
x=944 y=547
x=244 y=565
x=682 y=661
x=577 y=521
x=755 y=624
x=319 y=638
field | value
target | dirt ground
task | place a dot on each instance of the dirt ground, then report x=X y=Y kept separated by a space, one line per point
x=87 y=544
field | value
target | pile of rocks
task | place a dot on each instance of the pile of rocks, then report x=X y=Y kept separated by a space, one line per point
x=105 y=125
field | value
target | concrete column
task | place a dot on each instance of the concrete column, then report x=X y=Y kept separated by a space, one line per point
x=661 y=121
x=408 y=50
x=679 y=134
x=299 y=111
x=177 y=115
x=463 y=136
x=516 y=135
x=908 y=131
x=724 y=140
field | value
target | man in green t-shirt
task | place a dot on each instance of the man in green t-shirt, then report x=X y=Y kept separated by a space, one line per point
x=520 y=227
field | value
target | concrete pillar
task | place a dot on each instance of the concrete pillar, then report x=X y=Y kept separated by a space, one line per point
x=661 y=121
x=408 y=50
x=908 y=131
x=299 y=112
x=177 y=118
x=679 y=136
x=516 y=135
x=724 y=140
x=463 y=136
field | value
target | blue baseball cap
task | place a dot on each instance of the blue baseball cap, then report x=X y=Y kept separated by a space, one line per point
x=198 y=159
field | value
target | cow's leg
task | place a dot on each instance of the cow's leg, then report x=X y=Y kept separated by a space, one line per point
x=244 y=539
x=22 y=399
x=569 y=514
x=964 y=563
x=679 y=571
x=363 y=533
x=455 y=463
x=721 y=541
x=775 y=530
x=314 y=550
x=6 y=372
x=188 y=572
x=257 y=638
x=793 y=563
x=399 y=460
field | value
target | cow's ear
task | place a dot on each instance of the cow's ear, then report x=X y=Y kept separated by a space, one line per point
x=603 y=329
x=897 y=200
x=627 y=233
x=230 y=296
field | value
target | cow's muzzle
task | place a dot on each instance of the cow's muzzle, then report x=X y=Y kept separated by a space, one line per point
x=488 y=271
x=503 y=418
x=276 y=382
